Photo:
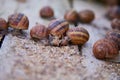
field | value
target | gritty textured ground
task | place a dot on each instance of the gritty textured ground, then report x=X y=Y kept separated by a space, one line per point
x=25 y=59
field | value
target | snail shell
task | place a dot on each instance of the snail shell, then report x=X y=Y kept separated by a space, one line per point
x=39 y=31
x=58 y=27
x=114 y=35
x=86 y=16
x=113 y=12
x=46 y=12
x=116 y=24
x=105 y=48
x=71 y=16
x=18 y=21
x=78 y=35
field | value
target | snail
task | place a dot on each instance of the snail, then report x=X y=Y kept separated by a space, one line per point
x=105 y=49
x=57 y=30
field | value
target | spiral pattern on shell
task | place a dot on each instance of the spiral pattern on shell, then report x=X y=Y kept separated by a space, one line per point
x=18 y=21
x=114 y=35
x=78 y=35
x=58 y=27
x=39 y=31
x=105 y=48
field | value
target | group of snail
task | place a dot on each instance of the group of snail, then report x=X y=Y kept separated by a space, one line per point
x=58 y=32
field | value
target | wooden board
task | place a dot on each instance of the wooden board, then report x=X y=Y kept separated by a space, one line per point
x=24 y=59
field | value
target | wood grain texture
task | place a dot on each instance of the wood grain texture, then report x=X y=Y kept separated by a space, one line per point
x=24 y=59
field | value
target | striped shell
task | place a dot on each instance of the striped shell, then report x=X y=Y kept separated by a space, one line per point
x=58 y=27
x=105 y=48
x=114 y=35
x=18 y=21
x=78 y=35
x=3 y=24
x=39 y=31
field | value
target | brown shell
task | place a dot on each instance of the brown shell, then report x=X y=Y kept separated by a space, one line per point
x=114 y=35
x=46 y=12
x=3 y=24
x=39 y=31
x=116 y=24
x=78 y=35
x=86 y=16
x=113 y=13
x=71 y=16
x=105 y=48
x=18 y=21
x=58 y=27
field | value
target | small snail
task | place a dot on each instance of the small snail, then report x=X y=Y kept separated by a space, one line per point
x=113 y=12
x=115 y=24
x=46 y=12
x=39 y=31
x=86 y=16
x=18 y=22
x=114 y=35
x=57 y=30
x=71 y=16
x=104 y=49
x=78 y=35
